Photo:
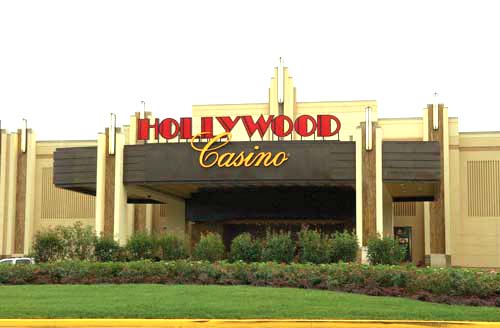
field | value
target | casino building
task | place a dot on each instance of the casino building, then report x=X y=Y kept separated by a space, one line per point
x=247 y=167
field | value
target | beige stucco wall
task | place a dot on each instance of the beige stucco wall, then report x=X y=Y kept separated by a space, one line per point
x=476 y=226
x=56 y=206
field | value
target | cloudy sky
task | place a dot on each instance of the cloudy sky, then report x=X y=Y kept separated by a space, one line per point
x=65 y=65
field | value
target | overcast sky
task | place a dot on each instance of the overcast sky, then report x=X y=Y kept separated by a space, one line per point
x=65 y=65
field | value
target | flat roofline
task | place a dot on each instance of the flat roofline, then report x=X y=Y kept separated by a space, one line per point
x=47 y=141
x=298 y=102
x=398 y=118
x=478 y=132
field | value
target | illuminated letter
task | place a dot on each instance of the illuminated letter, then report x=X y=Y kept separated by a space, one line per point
x=301 y=125
x=166 y=128
x=227 y=123
x=262 y=125
x=325 y=125
x=278 y=126
x=143 y=127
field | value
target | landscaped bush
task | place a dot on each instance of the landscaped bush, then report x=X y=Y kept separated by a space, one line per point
x=447 y=285
x=344 y=247
x=385 y=250
x=47 y=246
x=172 y=247
x=141 y=246
x=314 y=247
x=245 y=248
x=107 y=249
x=278 y=247
x=64 y=243
x=78 y=241
x=209 y=248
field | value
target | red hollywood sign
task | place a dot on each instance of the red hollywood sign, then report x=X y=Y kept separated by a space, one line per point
x=281 y=126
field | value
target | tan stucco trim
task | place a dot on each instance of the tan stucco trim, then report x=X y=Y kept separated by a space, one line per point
x=446 y=179
x=379 y=182
x=11 y=193
x=29 y=218
x=100 y=183
x=426 y=207
x=120 y=204
x=3 y=188
x=359 y=185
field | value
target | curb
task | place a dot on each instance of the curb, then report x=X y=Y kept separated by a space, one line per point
x=226 y=323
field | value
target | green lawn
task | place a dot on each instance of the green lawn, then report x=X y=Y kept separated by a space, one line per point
x=191 y=301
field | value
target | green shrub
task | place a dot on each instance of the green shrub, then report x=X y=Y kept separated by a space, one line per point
x=47 y=246
x=209 y=248
x=245 y=248
x=385 y=250
x=106 y=249
x=344 y=247
x=371 y=279
x=78 y=241
x=313 y=247
x=172 y=247
x=278 y=247
x=141 y=246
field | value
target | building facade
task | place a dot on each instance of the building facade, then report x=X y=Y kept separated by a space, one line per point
x=280 y=165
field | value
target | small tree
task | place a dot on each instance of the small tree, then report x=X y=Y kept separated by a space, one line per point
x=278 y=247
x=313 y=246
x=47 y=246
x=385 y=250
x=106 y=249
x=209 y=248
x=141 y=246
x=78 y=241
x=344 y=247
x=245 y=248
x=172 y=247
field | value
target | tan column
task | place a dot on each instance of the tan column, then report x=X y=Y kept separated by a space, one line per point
x=3 y=188
x=105 y=186
x=30 y=192
x=369 y=187
x=369 y=193
x=436 y=209
x=11 y=184
x=120 y=193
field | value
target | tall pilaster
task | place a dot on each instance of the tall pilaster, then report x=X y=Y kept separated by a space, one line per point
x=369 y=185
x=436 y=213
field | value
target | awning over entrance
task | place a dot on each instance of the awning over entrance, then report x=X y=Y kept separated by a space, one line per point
x=411 y=170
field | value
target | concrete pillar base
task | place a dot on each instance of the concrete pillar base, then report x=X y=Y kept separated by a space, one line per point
x=438 y=260
x=364 y=255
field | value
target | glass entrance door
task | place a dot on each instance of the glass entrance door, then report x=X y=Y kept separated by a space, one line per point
x=403 y=236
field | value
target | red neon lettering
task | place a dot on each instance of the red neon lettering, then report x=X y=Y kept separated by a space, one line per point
x=325 y=125
x=207 y=127
x=278 y=126
x=186 y=128
x=143 y=127
x=227 y=123
x=301 y=125
x=166 y=128
x=262 y=125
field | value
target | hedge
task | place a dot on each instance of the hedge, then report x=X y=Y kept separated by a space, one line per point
x=420 y=283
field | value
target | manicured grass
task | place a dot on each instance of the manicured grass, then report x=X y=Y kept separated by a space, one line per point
x=191 y=301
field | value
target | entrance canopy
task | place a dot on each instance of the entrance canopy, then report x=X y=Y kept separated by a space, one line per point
x=410 y=170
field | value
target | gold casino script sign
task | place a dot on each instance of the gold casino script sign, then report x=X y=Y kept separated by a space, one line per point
x=210 y=156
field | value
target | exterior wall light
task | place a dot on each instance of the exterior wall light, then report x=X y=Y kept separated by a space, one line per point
x=24 y=136
x=435 y=112
x=368 y=128
x=281 y=81
x=112 y=135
